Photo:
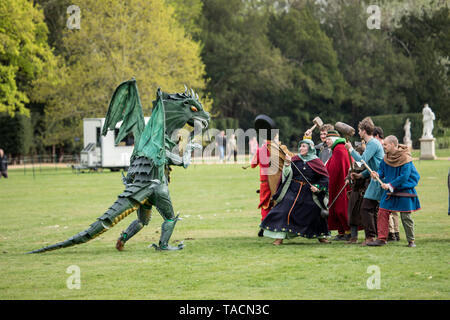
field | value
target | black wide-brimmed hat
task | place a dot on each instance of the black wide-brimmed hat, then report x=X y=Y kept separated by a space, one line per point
x=264 y=122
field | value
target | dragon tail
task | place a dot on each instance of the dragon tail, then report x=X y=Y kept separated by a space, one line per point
x=118 y=211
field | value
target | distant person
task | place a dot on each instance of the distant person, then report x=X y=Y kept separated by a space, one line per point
x=3 y=164
x=232 y=147
x=253 y=145
x=221 y=142
x=400 y=177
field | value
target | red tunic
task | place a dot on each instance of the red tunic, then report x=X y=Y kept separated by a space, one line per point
x=262 y=158
x=337 y=167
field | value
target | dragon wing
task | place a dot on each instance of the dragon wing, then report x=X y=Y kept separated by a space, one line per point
x=152 y=142
x=125 y=106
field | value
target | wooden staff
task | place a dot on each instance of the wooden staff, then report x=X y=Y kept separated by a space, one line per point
x=371 y=171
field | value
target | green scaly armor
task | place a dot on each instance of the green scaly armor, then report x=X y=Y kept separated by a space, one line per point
x=146 y=183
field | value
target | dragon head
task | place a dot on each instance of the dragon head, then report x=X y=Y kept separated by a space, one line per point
x=183 y=108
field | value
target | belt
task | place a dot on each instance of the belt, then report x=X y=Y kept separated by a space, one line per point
x=401 y=194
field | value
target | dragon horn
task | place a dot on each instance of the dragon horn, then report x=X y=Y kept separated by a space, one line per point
x=192 y=93
x=185 y=89
x=118 y=211
x=196 y=95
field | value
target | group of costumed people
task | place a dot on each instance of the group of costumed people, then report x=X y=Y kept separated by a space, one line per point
x=335 y=186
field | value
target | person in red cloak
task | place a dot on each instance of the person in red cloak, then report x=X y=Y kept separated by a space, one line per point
x=338 y=166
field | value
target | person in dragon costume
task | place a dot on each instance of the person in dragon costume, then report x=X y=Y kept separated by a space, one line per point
x=146 y=183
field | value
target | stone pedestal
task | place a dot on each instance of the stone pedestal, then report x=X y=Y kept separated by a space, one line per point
x=427 y=150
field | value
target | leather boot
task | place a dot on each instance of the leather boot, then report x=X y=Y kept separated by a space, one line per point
x=411 y=244
x=366 y=241
x=377 y=243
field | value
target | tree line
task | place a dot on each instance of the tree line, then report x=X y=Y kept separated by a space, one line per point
x=292 y=60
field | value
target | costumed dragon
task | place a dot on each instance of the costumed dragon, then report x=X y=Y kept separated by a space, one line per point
x=146 y=183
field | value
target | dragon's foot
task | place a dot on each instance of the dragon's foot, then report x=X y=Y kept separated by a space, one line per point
x=167 y=247
x=120 y=242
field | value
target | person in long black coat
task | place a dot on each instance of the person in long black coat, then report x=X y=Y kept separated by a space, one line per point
x=298 y=208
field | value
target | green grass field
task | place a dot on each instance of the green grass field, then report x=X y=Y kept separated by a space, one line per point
x=223 y=258
x=440 y=153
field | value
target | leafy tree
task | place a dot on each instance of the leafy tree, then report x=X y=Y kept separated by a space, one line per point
x=392 y=11
x=16 y=134
x=55 y=17
x=426 y=39
x=245 y=71
x=24 y=54
x=188 y=13
x=377 y=73
x=317 y=85
x=117 y=41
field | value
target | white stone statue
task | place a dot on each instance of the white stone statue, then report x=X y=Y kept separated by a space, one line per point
x=428 y=118
x=407 y=138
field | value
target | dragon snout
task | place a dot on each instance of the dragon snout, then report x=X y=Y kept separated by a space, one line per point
x=203 y=122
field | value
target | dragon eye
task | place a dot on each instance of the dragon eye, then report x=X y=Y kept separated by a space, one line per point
x=194 y=109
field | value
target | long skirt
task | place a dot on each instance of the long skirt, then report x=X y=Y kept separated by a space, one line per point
x=297 y=214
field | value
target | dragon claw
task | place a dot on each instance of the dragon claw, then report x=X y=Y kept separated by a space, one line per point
x=167 y=248
x=119 y=245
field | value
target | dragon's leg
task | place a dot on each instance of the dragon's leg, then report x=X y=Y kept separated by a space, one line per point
x=144 y=214
x=164 y=206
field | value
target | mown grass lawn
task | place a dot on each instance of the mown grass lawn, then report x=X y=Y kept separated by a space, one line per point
x=440 y=153
x=223 y=258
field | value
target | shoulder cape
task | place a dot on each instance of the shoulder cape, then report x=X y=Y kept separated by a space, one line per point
x=316 y=165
